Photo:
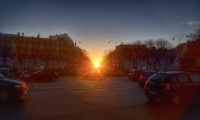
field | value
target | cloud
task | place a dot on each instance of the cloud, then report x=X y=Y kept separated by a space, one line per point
x=194 y=22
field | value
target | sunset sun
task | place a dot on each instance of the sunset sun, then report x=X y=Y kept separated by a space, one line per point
x=96 y=64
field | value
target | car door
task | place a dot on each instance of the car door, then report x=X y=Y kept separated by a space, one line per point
x=39 y=76
x=184 y=85
x=48 y=75
x=195 y=85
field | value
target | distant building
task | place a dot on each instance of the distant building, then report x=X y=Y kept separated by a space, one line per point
x=65 y=36
x=22 y=52
x=130 y=56
x=193 y=53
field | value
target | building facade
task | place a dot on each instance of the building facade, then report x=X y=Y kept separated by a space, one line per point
x=128 y=57
x=55 y=52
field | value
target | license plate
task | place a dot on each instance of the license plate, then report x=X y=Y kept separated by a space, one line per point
x=152 y=92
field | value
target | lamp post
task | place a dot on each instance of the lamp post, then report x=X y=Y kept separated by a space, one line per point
x=179 y=37
x=115 y=61
x=115 y=41
x=179 y=48
x=76 y=41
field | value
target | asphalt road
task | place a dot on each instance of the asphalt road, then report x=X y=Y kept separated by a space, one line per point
x=70 y=98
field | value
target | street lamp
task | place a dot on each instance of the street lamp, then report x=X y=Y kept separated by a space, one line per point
x=179 y=37
x=75 y=42
x=179 y=48
x=115 y=41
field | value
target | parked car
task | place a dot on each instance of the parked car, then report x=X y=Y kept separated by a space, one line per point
x=18 y=73
x=145 y=76
x=26 y=74
x=94 y=74
x=174 y=87
x=41 y=75
x=6 y=72
x=196 y=71
x=10 y=89
x=135 y=74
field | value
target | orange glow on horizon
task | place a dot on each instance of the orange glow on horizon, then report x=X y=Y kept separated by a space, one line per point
x=96 y=64
x=97 y=61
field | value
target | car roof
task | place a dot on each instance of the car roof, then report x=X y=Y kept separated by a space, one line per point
x=149 y=71
x=4 y=68
x=138 y=70
x=172 y=72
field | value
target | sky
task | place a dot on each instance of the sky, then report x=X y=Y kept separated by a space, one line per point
x=96 y=22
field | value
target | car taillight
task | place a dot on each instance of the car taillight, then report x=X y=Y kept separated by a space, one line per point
x=140 y=76
x=166 y=85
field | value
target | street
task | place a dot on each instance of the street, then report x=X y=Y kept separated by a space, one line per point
x=72 y=98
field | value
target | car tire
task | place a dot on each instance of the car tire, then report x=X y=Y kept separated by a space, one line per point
x=5 y=96
x=53 y=79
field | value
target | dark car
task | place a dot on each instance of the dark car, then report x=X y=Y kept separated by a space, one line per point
x=18 y=73
x=196 y=71
x=10 y=89
x=6 y=72
x=41 y=75
x=174 y=87
x=94 y=74
x=145 y=76
x=135 y=74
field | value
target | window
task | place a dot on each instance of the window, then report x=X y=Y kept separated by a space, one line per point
x=174 y=80
x=159 y=77
x=182 y=78
x=194 y=78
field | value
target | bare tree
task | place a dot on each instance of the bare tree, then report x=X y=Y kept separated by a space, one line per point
x=107 y=52
x=194 y=36
x=138 y=42
x=150 y=43
x=85 y=53
x=162 y=43
x=170 y=46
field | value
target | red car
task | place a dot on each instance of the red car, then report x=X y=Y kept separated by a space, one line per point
x=42 y=75
x=135 y=74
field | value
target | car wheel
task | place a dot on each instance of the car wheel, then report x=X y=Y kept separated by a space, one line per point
x=5 y=96
x=53 y=79
x=176 y=100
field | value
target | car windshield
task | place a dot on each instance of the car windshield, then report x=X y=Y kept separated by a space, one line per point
x=1 y=76
x=137 y=71
x=148 y=73
x=159 y=77
x=4 y=72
